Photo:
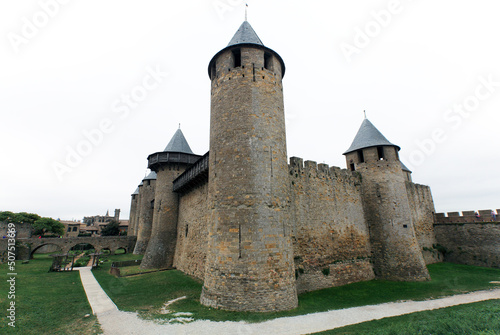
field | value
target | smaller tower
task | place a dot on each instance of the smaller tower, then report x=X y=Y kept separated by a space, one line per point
x=146 y=215
x=396 y=254
x=168 y=165
x=133 y=210
x=117 y=215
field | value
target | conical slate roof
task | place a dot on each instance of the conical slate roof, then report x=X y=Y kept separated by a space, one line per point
x=404 y=167
x=136 y=192
x=151 y=176
x=178 y=143
x=368 y=136
x=245 y=35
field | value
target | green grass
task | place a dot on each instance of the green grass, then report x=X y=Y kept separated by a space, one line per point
x=131 y=293
x=47 y=302
x=478 y=318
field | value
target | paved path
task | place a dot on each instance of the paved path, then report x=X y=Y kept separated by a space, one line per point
x=98 y=299
x=114 y=321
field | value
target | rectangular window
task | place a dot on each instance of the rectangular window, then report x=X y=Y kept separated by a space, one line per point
x=152 y=204
x=380 y=151
x=361 y=157
x=237 y=57
x=352 y=167
x=267 y=61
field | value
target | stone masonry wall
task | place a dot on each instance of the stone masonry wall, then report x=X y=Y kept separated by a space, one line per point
x=145 y=222
x=161 y=246
x=422 y=214
x=470 y=243
x=329 y=232
x=192 y=232
x=249 y=255
x=396 y=253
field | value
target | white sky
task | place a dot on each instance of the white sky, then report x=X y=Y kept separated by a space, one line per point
x=67 y=74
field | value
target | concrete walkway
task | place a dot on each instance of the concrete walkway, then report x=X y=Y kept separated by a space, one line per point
x=98 y=299
x=114 y=321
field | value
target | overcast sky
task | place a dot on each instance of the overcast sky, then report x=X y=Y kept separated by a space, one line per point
x=88 y=89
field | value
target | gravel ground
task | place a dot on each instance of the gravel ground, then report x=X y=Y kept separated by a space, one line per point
x=117 y=322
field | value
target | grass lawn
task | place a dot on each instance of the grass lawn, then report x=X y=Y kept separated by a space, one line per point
x=47 y=302
x=147 y=293
x=478 y=318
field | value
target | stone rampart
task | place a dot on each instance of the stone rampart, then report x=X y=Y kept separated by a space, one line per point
x=470 y=243
x=422 y=214
x=469 y=216
x=330 y=236
x=192 y=232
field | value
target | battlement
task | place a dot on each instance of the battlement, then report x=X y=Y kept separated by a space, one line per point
x=312 y=168
x=485 y=215
x=194 y=175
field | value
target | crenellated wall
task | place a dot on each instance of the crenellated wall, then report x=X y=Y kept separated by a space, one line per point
x=192 y=232
x=422 y=214
x=330 y=235
x=470 y=243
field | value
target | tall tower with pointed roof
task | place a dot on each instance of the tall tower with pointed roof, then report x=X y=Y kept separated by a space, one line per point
x=249 y=264
x=144 y=224
x=133 y=212
x=396 y=253
x=167 y=166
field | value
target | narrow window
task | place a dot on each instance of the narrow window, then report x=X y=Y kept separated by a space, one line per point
x=212 y=71
x=152 y=204
x=147 y=182
x=237 y=57
x=361 y=157
x=405 y=226
x=352 y=167
x=380 y=151
x=267 y=61
x=186 y=230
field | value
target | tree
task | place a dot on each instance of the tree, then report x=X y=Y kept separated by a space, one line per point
x=22 y=217
x=47 y=225
x=111 y=229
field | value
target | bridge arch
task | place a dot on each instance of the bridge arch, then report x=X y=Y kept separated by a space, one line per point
x=111 y=243
x=41 y=245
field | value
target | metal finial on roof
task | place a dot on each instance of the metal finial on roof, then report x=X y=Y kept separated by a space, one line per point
x=246 y=12
x=179 y=126
x=365 y=113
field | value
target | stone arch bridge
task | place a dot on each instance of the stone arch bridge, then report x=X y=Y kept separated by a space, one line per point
x=112 y=243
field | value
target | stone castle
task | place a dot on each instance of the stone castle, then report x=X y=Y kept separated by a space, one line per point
x=258 y=229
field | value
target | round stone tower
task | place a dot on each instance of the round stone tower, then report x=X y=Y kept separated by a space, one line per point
x=168 y=165
x=249 y=265
x=133 y=213
x=396 y=254
x=145 y=222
